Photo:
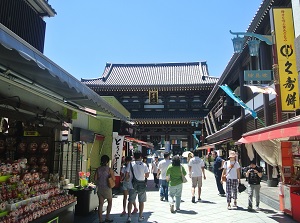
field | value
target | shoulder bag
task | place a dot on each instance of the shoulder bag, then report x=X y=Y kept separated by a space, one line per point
x=110 y=181
x=224 y=176
x=184 y=180
x=138 y=185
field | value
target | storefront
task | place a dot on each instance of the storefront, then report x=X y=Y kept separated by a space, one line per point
x=38 y=101
x=279 y=146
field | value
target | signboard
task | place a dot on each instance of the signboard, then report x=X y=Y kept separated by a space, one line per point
x=153 y=97
x=117 y=151
x=257 y=75
x=288 y=75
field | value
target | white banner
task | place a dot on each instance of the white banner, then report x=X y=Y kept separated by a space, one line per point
x=117 y=149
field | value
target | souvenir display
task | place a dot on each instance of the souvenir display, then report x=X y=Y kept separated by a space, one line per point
x=25 y=196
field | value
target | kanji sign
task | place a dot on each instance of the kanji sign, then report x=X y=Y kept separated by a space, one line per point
x=288 y=75
x=257 y=75
x=153 y=97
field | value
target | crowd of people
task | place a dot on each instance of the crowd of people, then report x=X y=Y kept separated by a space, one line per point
x=169 y=176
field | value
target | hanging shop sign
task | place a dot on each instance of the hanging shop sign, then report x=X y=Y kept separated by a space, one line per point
x=288 y=75
x=257 y=75
x=117 y=149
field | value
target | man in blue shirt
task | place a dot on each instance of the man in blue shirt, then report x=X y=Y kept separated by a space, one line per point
x=218 y=164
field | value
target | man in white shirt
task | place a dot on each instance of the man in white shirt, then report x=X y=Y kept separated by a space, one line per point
x=161 y=174
x=140 y=172
x=196 y=170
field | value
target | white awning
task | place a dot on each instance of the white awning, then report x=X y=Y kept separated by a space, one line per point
x=20 y=57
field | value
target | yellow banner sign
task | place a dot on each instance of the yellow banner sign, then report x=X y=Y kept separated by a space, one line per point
x=288 y=75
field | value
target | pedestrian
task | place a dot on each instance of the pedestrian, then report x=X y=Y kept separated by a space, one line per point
x=253 y=175
x=103 y=172
x=139 y=170
x=218 y=169
x=174 y=177
x=161 y=174
x=125 y=186
x=145 y=160
x=196 y=171
x=231 y=170
x=154 y=169
x=190 y=156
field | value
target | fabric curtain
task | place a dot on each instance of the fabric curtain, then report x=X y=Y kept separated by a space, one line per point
x=250 y=151
x=268 y=150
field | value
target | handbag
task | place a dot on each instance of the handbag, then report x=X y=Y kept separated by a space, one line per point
x=184 y=180
x=110 y=181
x=138 y=185
x=241 y=187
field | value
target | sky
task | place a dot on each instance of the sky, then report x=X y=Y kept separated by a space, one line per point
x=83 y=37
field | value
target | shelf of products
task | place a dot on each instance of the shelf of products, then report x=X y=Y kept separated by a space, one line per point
x=26 y=197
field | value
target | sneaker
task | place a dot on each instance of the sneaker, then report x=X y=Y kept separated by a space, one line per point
x=199 y=199
x=222 y=195
x=250 y=208
x=123 y=213
x=135 y=211
x=193 y=200
x=257 y=208
x=161 y=198
x=229 y=207
x=234 y=206
x=128 y=220
x=177 y=209
x=141 y=219
x=172 y=208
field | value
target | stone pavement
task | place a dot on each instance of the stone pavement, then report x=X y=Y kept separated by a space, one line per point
x=212 y=208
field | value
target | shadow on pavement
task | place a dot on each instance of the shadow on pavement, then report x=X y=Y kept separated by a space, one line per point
x=186 y=212
x=206 y=202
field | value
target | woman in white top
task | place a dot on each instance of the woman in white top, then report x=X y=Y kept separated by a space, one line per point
x=231 y=169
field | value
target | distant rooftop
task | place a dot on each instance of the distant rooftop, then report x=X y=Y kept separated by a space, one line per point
x=153 y=74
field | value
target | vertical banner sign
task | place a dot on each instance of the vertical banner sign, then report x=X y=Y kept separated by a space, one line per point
x=288 y=75
x=117 y=149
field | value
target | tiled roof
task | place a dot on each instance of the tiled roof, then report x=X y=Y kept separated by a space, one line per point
x=153 y=74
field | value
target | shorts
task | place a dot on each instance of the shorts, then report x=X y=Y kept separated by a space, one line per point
x=133 y=193
x=197 y=181
x=106 y=193
x=125 y=185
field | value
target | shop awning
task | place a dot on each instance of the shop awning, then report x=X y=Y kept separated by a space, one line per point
x=284 y=129
x=230 y=132
x=212 y=145
x=143 y=143
x=18 y=56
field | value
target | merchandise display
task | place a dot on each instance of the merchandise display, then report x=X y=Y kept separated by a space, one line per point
x=27 y=196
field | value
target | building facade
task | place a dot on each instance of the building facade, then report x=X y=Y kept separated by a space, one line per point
x=165 y=100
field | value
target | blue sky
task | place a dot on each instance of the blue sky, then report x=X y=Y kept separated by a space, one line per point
x=82 y=37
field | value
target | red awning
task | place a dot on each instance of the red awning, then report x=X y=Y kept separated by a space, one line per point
x=143 y=143
x=285 y=129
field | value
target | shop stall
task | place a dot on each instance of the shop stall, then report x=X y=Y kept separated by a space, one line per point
x=289 y=196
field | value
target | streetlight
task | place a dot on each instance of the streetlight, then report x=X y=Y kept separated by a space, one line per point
x=253 y=43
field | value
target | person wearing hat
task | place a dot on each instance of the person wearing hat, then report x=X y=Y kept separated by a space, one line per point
x=253 y=175
x=231 y=170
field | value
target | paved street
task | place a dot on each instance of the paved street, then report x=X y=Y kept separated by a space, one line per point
x=213 y=208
